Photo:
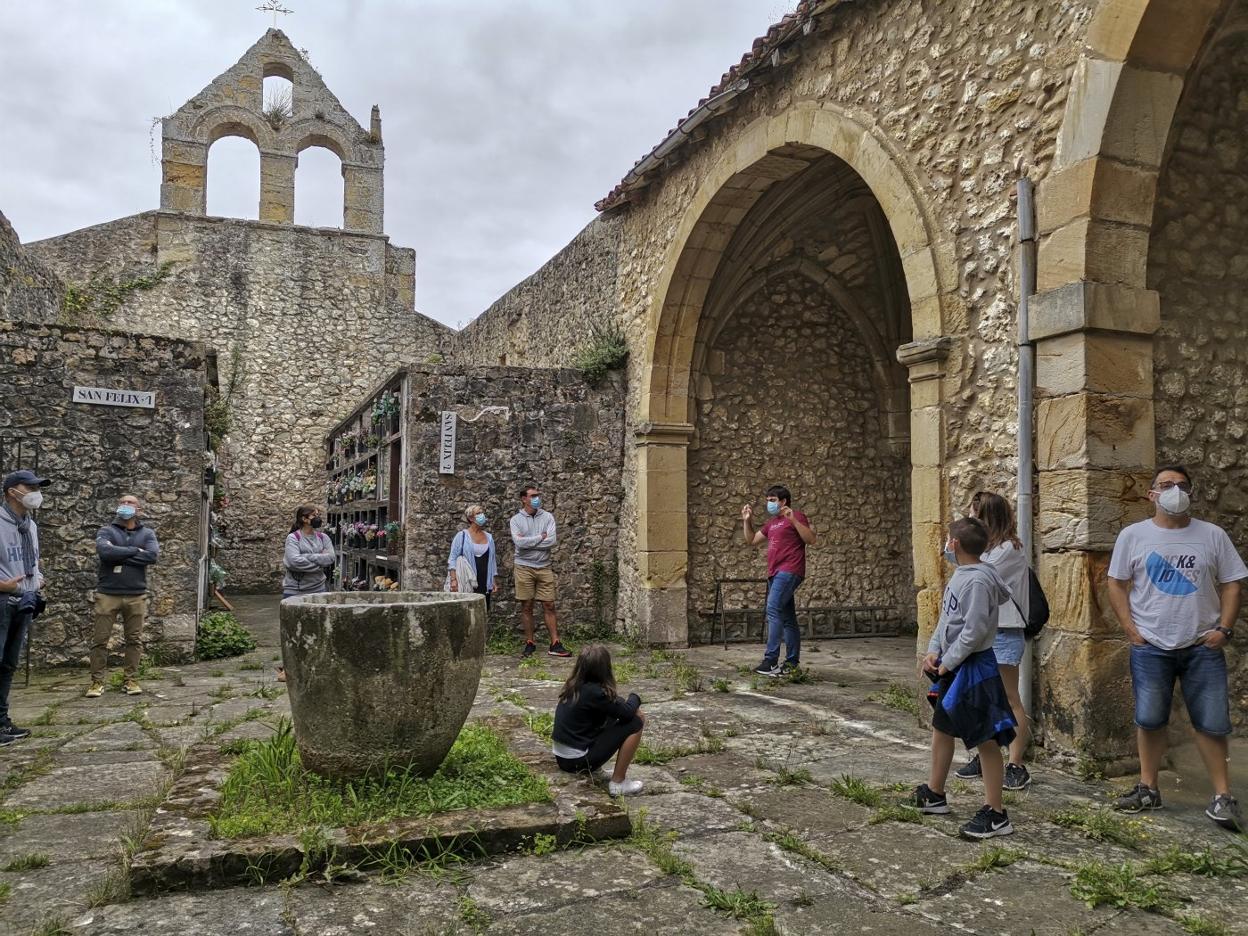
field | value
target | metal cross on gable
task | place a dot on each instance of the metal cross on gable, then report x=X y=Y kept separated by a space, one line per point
x=275 y=7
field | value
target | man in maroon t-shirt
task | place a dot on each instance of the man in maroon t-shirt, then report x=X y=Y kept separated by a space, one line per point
x=787 y=533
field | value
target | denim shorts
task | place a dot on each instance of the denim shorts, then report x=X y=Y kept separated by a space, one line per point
x=1009 y=646
x=1201 y=673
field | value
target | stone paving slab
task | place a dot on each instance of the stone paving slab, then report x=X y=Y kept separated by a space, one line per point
x=1024 y=899
x=741 y=859
x=529 y=883
x=836 y=916
x=46 y=893
x=690 y=814
x=896 y=858
x=729 y=771
x=813 y=813
x=417 y=904
x=67 y=837
x=121 y=736
x=121 y=783
x=243 y=911
x=655 y=910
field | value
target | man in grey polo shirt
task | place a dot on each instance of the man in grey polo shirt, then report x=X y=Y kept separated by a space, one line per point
x=533 y=533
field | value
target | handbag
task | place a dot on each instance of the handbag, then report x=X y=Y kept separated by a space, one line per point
x=1037 y=606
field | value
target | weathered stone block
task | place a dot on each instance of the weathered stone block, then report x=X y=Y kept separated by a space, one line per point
x=1086 y=249
x=1084 y=306
x=1085 y=693
x=1085 y=509
x=1075 y=584
x=1111 y=363
x=1086 y=430
x=1099 y=188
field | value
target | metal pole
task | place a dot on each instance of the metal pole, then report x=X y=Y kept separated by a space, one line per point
x=1026 y=385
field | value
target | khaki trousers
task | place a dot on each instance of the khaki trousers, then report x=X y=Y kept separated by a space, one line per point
x=133 y=609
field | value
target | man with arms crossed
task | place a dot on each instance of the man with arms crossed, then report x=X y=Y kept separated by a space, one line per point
x=1174 y=583
x=533 y=533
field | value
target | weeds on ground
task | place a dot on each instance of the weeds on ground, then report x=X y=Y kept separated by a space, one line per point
x=544 y=844
x=993 y=857
x=721 y=685
x=737 y=903
x=534 y=668
x=709 y=744
x=269 y=791
x=786 y=776
x=791 y=843
x=857 y=790
x=688 y=677
x=266 y=691
x=45 y=717
x=895 y=812
x=1205 y=863
x=625 y=671
x=1200 y=925
x=1101 y=825
x=27 y=862
x=1118 y=886
x=51 y=926
x=541 y=724
x=656 y=843
x=147 y=670
x=897 y=696
x=472 y=915
x=513 y=697
x=6 y=891
x=251 y=665
x=700 y=784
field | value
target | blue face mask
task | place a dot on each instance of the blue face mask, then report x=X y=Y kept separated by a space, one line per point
x=950 y=555
x=126 y=512
x=535 y=503
x=480 y=519
x=773 y=507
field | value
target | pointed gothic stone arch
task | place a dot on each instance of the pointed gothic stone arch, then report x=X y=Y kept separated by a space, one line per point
x=770 y=150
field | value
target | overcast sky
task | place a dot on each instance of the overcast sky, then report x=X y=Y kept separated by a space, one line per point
x=504 y=120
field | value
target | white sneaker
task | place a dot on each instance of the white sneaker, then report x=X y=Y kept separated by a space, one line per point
x=627 y=788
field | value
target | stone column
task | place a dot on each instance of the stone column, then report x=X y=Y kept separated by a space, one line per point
x=362 y=196
x=184 y=169
x=1095 y=451
x=277 y=187
x=663 y=533
x=925 y=360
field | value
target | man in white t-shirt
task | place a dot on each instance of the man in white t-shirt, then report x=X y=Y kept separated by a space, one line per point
x=1174 y=583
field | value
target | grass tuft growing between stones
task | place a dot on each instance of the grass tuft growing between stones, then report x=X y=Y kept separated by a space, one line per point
x=895 y=812
x=897 y=696
x=1119 y=886
x=1205 y=863
x=269 y=791
x=1199 y=925
x=857 y=790
x=1101 y=825
x=27 y=862
x=790 y=842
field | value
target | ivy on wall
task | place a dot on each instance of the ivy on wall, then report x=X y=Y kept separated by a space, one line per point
x=99 y=298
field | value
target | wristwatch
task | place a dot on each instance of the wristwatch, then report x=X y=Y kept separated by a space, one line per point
x=1226 y=632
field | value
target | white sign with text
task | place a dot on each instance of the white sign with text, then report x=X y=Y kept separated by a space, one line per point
x=446 y=445
x=103 y=396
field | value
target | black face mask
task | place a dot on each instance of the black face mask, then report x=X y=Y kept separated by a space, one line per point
x=316 y=523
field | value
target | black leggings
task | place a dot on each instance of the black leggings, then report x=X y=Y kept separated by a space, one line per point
x=604 y=747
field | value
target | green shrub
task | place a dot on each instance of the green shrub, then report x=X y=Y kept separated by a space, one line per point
x=220 y=635
x=607 y=351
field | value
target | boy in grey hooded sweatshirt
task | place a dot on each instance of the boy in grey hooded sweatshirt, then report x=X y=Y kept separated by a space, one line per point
x=967 y=695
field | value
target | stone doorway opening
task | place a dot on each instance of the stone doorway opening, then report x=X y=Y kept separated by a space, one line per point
x=794 y=381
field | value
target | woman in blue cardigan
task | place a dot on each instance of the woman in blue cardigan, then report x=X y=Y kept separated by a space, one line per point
x=476 y=546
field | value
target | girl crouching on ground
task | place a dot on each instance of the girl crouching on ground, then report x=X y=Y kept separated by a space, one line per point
x=592 y=723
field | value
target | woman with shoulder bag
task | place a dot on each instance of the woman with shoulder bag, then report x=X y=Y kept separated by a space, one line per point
x=475 y=547
x=307 y=559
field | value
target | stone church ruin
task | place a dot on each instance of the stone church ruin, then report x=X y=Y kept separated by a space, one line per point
x=816 y=277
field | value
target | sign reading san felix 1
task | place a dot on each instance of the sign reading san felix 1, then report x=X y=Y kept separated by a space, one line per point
x=103 y=396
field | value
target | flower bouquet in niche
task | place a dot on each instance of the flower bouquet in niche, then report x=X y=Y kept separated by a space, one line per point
x=392 y=531
x=368 y=483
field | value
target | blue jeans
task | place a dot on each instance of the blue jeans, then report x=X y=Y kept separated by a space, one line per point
x=12 y=635
x=1201 y=672
x=782 y=617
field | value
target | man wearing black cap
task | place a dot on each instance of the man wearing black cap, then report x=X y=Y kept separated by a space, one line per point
x=20 y=582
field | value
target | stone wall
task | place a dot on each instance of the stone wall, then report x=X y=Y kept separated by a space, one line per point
x=303 y=321
x=1198 y=262
x=29 y=291
x=789 y=399
x=559 y=433
x=546 y=320
x=93 y=454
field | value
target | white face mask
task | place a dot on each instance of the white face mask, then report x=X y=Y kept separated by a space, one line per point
x=1174 y=501
x=32 y=500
